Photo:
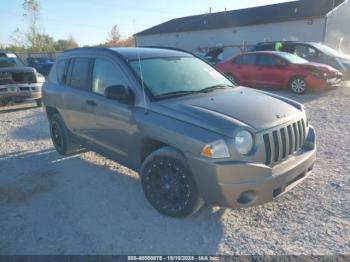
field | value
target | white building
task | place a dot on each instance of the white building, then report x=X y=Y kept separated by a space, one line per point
x=305 y=20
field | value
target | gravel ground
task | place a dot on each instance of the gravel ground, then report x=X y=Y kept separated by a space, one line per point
x=87 y=204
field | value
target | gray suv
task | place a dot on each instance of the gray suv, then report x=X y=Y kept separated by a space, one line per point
x=191 y=134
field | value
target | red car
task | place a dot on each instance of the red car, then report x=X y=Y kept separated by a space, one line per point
x=280 y=70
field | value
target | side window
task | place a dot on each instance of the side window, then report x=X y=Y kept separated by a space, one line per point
x=238 y=60
x=79 y=73
x=105 y=74
x=305 y=51
x=53 y=75
x=60 y=71
x=249 y=59
x=288 y=49
x=267 y=60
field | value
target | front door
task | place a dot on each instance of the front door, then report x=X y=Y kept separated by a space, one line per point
x=113 y=126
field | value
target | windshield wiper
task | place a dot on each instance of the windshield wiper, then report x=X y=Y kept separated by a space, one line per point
x=214 y=87
x=176 y=93
x=189 y=92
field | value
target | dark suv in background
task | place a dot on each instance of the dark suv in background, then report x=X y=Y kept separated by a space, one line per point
x=41 y=64
x=313 y=52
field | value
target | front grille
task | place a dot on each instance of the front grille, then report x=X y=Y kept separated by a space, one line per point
x=283 y=142
x=24 y=88
x=24 y=77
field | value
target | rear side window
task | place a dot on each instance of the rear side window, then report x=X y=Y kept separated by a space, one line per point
x=61 y=71
x=248 y=59
x=105 y=74
x=238 y=60
x=267 y=60
x=79 y=70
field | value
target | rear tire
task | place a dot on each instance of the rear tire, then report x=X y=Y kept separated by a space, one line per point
x=39 y=102
x=61 y=137
x=168 y=184
x=298 y=85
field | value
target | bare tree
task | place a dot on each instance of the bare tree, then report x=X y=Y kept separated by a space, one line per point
x=71 y=42
x=127 y=42
x=114 y=36
x=31 y=11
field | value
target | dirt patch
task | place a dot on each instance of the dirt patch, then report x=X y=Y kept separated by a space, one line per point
x=27 y=188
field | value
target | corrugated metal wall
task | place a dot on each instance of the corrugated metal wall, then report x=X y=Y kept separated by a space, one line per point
x=338 y=28
x=233 y=39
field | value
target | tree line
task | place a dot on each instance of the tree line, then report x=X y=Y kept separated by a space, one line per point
x=32 y=40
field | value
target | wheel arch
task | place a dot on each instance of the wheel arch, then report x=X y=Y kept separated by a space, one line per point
x=50 y=111
x=150 y=145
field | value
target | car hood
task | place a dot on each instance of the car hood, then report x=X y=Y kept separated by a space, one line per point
x=222 y=111
x=322 y=67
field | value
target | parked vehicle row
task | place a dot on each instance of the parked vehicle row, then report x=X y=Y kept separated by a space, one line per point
x=313 y=52
x=17 y=81
x=192 y=135
x=279 y=70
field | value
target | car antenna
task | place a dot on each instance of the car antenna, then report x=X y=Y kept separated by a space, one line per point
x=141 y=72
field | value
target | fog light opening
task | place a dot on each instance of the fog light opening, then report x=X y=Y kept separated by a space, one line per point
x=247 y=198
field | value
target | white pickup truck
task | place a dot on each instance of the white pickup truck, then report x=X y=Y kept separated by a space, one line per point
x=18 y=82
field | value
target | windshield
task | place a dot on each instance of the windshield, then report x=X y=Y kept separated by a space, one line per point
x=10 y=60
x=176 y=75
x=326 y=49
x=293 y=59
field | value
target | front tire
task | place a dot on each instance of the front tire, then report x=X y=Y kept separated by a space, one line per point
x=39 y=102
x=168 y=184
x=60 y=136
x=298 y=85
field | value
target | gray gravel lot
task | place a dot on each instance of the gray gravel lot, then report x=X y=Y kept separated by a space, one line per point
x=87 y=204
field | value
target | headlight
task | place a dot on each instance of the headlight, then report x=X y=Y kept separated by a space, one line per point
x=216 y=150
x=244 y=142
x=319 y=74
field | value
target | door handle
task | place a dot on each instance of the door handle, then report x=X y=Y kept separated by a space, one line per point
x=91 y=102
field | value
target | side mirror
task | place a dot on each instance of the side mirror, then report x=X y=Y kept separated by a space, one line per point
x=120 y=93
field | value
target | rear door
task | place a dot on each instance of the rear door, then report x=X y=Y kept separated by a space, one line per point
x=77 y=78
x=272 y=70
x=246 y=69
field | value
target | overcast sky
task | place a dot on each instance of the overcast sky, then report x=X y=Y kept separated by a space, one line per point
x=89 y=21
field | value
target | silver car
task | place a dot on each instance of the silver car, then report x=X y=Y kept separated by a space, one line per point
x=192 y=135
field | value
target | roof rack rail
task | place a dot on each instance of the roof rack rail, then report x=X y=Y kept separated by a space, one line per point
x=170 y=48
x=85 y=48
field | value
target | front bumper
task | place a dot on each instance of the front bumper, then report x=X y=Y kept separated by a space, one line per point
x=321 y=84
x=241 y=184
x=21 y=91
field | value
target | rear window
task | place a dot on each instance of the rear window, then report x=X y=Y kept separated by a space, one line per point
x=80 y=73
